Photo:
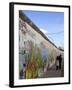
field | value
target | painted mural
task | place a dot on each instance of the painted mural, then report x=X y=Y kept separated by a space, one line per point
x=37 y=58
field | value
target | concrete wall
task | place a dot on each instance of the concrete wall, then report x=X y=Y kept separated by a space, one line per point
x=32 y=35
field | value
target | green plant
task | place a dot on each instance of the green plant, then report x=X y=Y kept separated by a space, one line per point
x=39 y=58
x=52 y=56
x=20 y=67
x=31 y=71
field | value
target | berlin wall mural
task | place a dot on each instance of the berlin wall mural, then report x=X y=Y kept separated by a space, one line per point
x=38 y=57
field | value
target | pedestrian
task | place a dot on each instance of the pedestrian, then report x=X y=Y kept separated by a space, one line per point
x=60 y=61
x=57 y=62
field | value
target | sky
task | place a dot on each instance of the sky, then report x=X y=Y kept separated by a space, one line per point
x=50 y=23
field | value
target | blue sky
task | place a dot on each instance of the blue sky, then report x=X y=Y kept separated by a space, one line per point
x=50 y=23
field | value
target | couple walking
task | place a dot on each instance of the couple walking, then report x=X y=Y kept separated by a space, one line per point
x=58 y=62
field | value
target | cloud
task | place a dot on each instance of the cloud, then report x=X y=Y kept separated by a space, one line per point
x=52 y=39
x=44 y=31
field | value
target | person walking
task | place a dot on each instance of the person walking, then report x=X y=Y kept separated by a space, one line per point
x=57 y=62
x=60 y=61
